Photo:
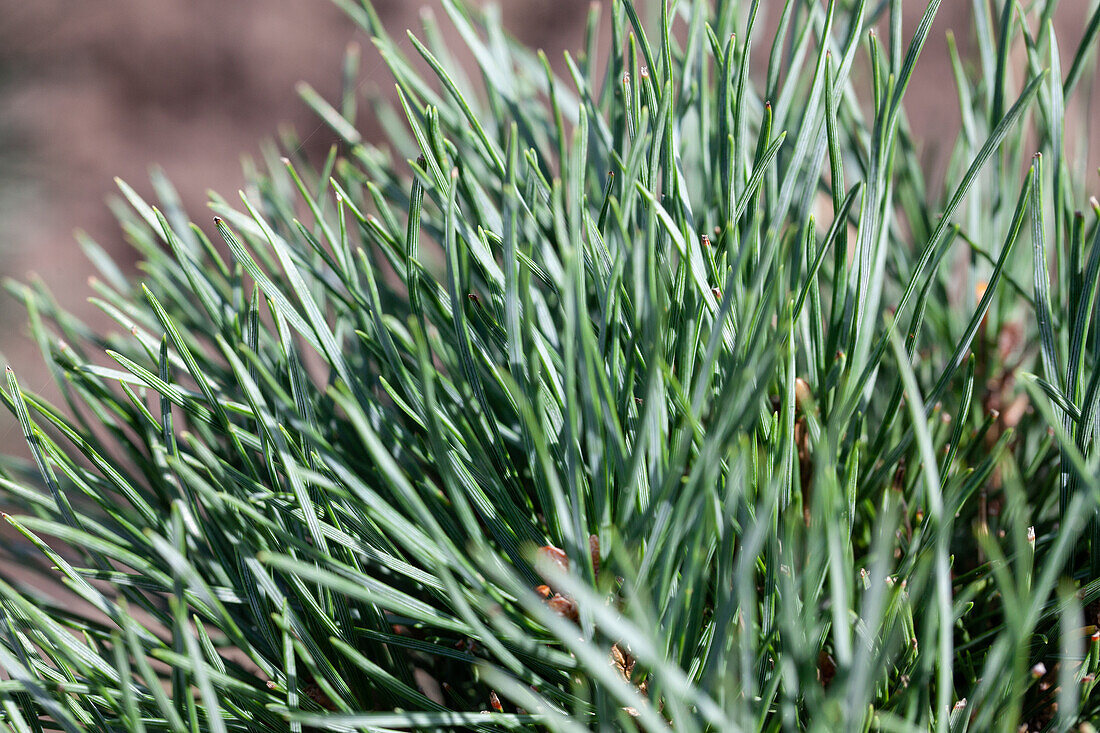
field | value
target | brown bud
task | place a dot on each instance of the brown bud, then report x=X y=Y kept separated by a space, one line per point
x=554 y=555
x=802 y=393
x=594 y=552
x=563 y=606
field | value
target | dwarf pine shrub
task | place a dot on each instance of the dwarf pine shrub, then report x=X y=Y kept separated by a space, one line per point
x=665 y=394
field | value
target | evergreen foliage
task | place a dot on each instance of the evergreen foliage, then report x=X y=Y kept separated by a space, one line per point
x=625 y=399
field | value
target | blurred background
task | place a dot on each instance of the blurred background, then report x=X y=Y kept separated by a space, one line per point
x=93 y=90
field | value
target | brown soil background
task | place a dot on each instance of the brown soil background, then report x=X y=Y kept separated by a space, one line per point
x=91 y=90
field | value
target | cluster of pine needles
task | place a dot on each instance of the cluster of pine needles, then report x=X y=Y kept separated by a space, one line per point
x=656 y=387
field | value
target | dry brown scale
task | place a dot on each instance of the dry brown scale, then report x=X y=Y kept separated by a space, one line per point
x=564 y=605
